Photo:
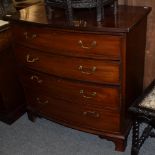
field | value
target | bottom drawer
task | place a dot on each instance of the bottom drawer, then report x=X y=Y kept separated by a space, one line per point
x=74 y=115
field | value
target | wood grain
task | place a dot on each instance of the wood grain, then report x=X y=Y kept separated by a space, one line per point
x=70 y=67
x=12 y=101
x=65 y=68
x=150 y=46
x=81 y=44
x=87 y=94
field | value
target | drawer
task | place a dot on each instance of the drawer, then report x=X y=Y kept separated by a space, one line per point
x=5 y=39
x=70 y=43
x=81 y=93
x=69 y=67
x=74 y=115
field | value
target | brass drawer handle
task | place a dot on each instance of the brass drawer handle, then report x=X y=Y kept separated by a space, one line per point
x=87 y=70
x=34 y=77
x=40 y=102
x=80 y=23
x=28 y=59
x=92 y=45
x=29 y=36
x=91 y=113
x=93 y=94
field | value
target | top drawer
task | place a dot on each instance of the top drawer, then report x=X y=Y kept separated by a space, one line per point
x=5 y=39
x=70 y=43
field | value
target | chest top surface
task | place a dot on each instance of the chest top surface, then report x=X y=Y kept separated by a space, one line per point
x=84 y=20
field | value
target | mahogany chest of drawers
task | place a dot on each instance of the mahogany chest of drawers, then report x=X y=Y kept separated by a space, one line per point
x=12 y=101
x=84 y=76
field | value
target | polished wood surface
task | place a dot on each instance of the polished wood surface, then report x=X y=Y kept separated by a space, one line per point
x=83 y=74
x=73 y=114
x=77 y=68
x=82 y=45
x=150 y=46
x=12 y=102
x=81 y=93
x=5 y=38
x=123 y=21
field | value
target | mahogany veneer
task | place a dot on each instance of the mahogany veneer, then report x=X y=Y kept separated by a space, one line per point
x=82 y=75
x=12 y=102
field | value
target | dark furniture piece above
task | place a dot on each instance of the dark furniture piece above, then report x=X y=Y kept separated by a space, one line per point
x=12 y=102
x=143 y=110
x=69 y=5
x=1 y=9
x=86 y=75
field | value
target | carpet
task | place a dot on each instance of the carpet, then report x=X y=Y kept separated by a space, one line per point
x=47 y=138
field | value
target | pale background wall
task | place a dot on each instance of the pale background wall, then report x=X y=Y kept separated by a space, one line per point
x=122 y=1
x=150 y=47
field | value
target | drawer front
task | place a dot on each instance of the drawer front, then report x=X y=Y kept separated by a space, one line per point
x=81 y=93
x=75 y=68
x=5 y=39
x=70 y=43
x=72 y=114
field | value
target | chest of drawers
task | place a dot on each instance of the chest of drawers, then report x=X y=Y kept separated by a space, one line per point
x=12 y=102
x=83 y=78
